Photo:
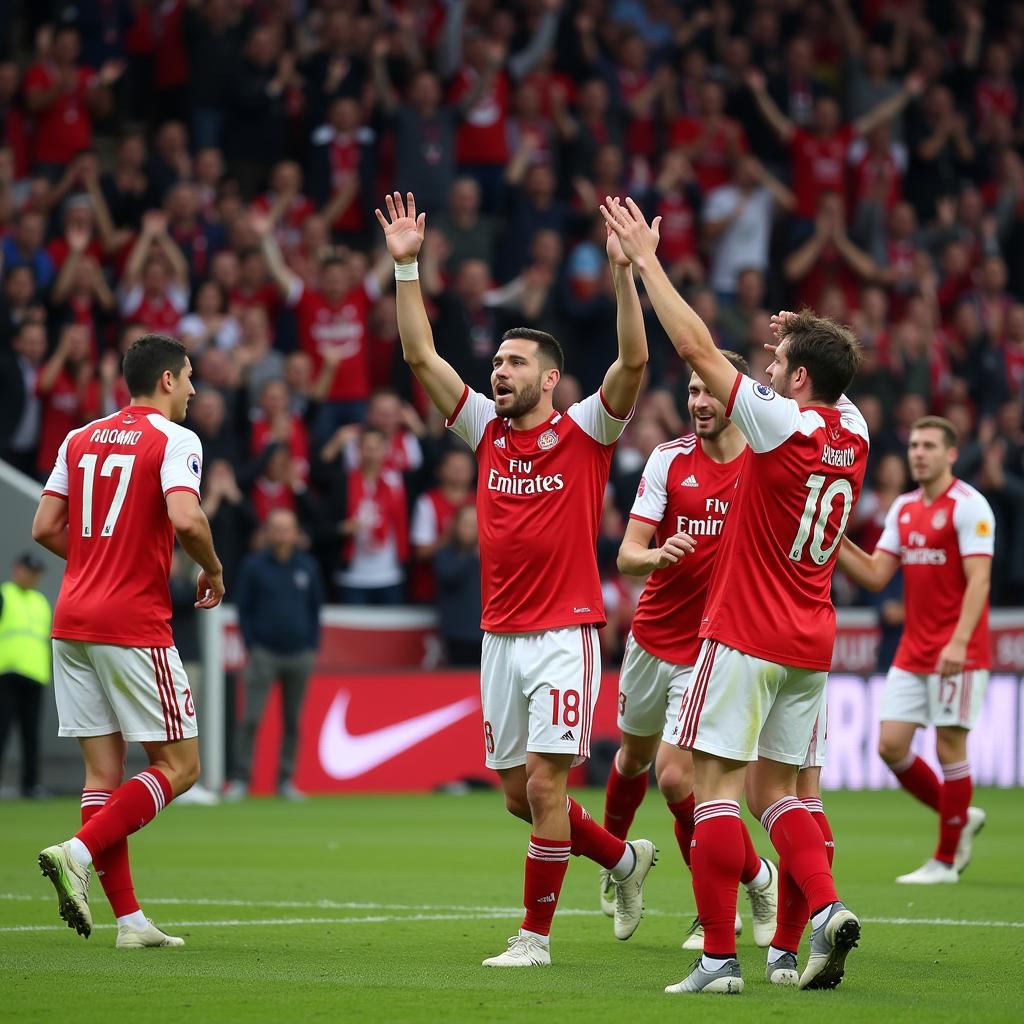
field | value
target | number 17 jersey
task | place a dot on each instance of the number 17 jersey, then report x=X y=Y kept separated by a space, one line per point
x=115 y=474
x=770 y=592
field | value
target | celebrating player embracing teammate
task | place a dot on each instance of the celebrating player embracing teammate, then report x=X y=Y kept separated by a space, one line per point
x=539 y=500
x=684 y=495
x=121 y=489
x=769 y=623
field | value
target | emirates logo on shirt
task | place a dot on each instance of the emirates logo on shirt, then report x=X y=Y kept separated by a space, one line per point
x=547 y=440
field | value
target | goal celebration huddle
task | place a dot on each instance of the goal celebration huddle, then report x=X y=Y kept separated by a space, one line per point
x=737 y=528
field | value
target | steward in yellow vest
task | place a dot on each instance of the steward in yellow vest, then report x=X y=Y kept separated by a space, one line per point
x=25 y=664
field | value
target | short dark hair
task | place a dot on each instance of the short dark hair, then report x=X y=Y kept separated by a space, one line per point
x=828 y=351
x=548 y=348
x=949 y=435
x=148 y=358
x=737 y=360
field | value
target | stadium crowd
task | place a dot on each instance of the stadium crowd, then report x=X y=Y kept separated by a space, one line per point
x=209 y=169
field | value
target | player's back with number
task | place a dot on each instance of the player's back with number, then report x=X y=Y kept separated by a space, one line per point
x=116 y=473
x=770 y=593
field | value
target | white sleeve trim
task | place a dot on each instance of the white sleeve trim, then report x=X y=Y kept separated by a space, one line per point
x=975 y=523
x=182 y=465
x=594 y=417
x=471 y=416
x=652 y=494
x=766 y=418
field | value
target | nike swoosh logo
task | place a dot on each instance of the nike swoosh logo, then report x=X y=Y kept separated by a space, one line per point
x=344 y=756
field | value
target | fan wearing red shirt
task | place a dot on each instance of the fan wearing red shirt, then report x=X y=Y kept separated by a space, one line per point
x=712 y=141
x=681 y=503
x=818 y=157
x=62 y=97
x=154 y=287
x=942 y=535
x=542 y=480
x=769 y=624
x=68 y=391
x=331 y=318
x=122 y=488
x=285 y=204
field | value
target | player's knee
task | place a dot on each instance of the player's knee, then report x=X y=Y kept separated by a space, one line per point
x=542 y=794
x=517 y=805
x=949 y=746
x=630 y=764
x=674 y=783
x=892 y=750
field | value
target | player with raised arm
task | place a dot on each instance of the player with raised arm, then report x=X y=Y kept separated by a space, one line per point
x=542 y=481
x=684 y=494
x=122 y=488
x=942 y=535
x=769 y=623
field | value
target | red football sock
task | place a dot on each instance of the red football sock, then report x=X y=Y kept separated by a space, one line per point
x=718 y=855
x=956 y=798
x=818 y=814
x=131 y=806
x=792 y=914
x=112 y=866
x=590 y=840
x=683 y=813
x=798 y=839
x=751 y=858
x=623 y=795
x=546 y=862
x=919 y=780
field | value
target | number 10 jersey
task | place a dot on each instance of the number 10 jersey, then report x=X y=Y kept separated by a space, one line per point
x=115 y=474
x=770 y=591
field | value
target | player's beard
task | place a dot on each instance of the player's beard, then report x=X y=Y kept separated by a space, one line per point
x=710 y=429
x=525 y=401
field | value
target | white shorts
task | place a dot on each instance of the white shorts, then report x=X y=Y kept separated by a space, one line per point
x=650 y=693
x=934 y=699
x=538 y=692
x=819 y=738
x=742 y=707
x=140 y=692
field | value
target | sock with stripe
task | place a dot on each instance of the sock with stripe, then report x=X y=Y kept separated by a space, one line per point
x=623 y=795
x=956 y=798
x=131 y=806
x=717 y=860
x=796 y=836
x=792 y=913
x=112 y=866
x=546 y=863
x=682 y=811
x=914 y=775
x=597 y=844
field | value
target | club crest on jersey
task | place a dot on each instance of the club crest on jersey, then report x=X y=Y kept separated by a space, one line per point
x=940 y=519
x=195 y=465
x=547 y=440
x=764 y=392
x=643 y=487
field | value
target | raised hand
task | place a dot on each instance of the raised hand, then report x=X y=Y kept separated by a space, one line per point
x=616 y=257
x=403 y=229
x=637 y=238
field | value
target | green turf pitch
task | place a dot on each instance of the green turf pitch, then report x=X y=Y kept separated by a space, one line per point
x=381 y=908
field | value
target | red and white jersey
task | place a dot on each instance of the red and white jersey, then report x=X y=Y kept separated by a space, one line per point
x=931 y=540
x=115 y=473
x=681 y=491
x=539 y=500
x=770 y=589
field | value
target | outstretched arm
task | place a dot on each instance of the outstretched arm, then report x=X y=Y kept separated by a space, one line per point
x=624 y=377
x=685 y=329
x=287 y=281
x=403 y=233
x=872 y=572
x=781 y=125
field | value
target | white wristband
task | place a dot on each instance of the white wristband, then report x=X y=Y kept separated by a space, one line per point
x=407 y=271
